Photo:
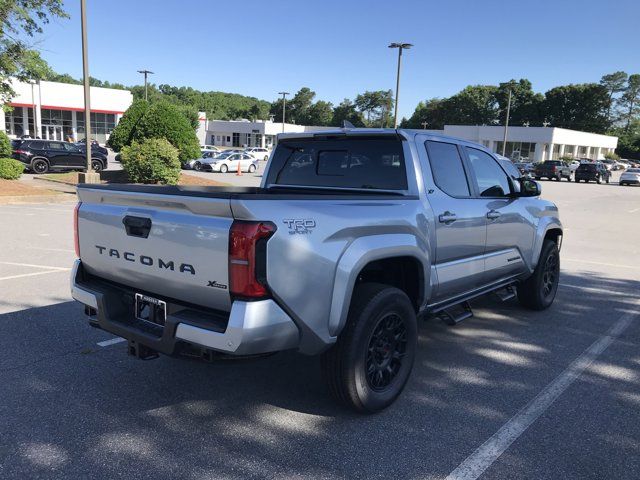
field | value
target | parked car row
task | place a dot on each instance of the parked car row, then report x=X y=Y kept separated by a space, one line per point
x=214 y=160
x=42 y=156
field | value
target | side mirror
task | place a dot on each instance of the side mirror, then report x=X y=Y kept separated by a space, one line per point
x=529 y=188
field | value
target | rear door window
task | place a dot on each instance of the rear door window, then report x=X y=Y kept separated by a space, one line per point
x=448 y=171
x=347 y=162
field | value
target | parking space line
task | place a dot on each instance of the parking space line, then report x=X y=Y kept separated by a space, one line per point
x=113 y=341
x=48 y=267
x=599 y=263
x=634 y=210
x=67 y=250
x=476 y=463
x=597 y=290
x=12 y=277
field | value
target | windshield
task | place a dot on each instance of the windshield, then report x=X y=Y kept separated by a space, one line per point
x=347 y=162
x=222 y=156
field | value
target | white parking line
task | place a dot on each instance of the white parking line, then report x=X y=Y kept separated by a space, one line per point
x=599 y=263
x=113 y=341
x=68 y=250
x=12 y=277
x=597 y=290
x=634 y=210
x=48 y=267
x=476 y=463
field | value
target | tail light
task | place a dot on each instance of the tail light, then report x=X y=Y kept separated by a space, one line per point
x=76 y=239
x=248 y=258
x=23 y=152
x=554 y=168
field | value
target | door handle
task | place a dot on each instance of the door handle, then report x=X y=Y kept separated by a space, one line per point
x=447 y=217
x=492 y=215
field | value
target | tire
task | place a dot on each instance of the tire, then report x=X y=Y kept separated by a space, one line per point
x=539 y=290
x=96 y=165
x=40 y=166
x=598 y=181
x=622 y=184
x=197 y=166
x=224 y=169
x=252 y=168
x=266 y=157
x=608 y=178
x=381 y=336
x=538 y=178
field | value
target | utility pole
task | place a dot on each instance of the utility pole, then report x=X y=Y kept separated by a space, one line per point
x=400 y=47
x=145 y=73
x=506 y=125
x=87 y=95
x=284 y=106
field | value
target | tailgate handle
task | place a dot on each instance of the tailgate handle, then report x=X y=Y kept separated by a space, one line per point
x=137 y=226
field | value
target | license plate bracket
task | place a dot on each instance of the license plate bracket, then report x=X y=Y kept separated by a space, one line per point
x=150 y=310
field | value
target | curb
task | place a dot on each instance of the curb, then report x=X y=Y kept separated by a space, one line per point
x=22 y=199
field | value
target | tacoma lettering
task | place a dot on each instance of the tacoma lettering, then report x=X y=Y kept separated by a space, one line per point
x=146 y=260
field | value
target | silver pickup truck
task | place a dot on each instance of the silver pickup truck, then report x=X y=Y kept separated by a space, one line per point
x=352 y=235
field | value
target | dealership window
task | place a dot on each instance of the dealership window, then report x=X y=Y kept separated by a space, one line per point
x=102 y=124
x=13 y=122
x=56 y=118
x=517 y=151
x=236 y=139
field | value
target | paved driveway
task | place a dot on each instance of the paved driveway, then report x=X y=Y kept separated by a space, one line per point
x=506 y=394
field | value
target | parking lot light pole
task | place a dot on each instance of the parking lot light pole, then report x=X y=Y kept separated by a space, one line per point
x=400 y=47
x=145 y=73
x=506 y=125
x=90 y=174
x=284 y=106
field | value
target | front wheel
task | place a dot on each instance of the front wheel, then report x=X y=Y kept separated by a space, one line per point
x=224 y=169
x=539 y=290
x=370 y=363
x=598 y=181
x=197 y=166
x=252 y=168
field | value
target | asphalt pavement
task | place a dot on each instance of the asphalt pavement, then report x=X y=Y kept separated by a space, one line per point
x=508 y=393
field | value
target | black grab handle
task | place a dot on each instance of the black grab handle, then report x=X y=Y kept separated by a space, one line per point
x=137 y=226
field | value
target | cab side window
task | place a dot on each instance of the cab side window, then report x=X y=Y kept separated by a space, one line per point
x=489 y=177
x=448 y=171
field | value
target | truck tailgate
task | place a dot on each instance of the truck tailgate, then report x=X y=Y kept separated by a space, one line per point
x=170 y=245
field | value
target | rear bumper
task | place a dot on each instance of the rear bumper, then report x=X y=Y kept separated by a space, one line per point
x=630 y=181
x=250 y=328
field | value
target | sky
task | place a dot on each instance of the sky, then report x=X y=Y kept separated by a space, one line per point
x=339 y=48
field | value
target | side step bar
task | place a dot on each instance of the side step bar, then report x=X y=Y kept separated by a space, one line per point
x=506 y=293
x=456 y=313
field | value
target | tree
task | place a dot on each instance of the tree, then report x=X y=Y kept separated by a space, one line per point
x=21 y=20
x=319 y=114
x=377 y=106
x=630 y=99
x=430 y=111
x=474 y=105
x=578 y=107
x=346 y=111
x=613 y=83
x=526 y=105
x=122 y=135
x=164 y=120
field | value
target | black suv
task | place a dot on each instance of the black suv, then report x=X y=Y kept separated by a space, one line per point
x=592 y=171
x=41 y=156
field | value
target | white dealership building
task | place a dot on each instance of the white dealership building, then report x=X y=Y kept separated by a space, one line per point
x=55 y=111
x=536 y=144
x=244 y=133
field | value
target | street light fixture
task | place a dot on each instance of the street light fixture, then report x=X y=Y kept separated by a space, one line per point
x=145 y=73
x=284 y=106
x=400 y=47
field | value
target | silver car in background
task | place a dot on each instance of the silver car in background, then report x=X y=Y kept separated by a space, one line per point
x=630 y=177
x=229 y=162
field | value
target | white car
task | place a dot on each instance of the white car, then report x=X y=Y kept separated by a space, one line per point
x=574 y=164
x=258 y=152
x=229 y=161
x=630 y=177
x=209 y=148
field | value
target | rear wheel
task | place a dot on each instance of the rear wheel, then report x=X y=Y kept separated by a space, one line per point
x=96 y=165
x=40 y=166
x=370 y=363
x=598 y=181
x=224 y=169
x=252 y=168
x=197 y=166
x=539 y=290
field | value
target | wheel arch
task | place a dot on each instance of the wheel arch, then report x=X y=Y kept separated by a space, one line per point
x=385 y=259
x=550 y=229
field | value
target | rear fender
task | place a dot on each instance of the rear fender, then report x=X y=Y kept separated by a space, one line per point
x=363 y=251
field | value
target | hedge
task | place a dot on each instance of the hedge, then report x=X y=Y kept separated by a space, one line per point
x=153 y=160
x=5 y=146
x=10 y=169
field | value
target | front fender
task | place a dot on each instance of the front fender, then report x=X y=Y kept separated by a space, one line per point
x=545 y=224
x=363 y=251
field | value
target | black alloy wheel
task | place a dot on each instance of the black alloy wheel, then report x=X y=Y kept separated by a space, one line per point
x=386 y=351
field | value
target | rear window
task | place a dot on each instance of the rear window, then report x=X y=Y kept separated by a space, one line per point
x=36 y=145
x=553 y=162
x=587 y=166
x=346 y=162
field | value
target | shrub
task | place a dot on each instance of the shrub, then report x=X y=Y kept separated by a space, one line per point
x=5 y=145
x=153 y=160
x=163 y=120
x=611 y=156
x=10 y=169
x=122 y=135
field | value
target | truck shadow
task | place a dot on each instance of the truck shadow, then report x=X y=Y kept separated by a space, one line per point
x=71 y=408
